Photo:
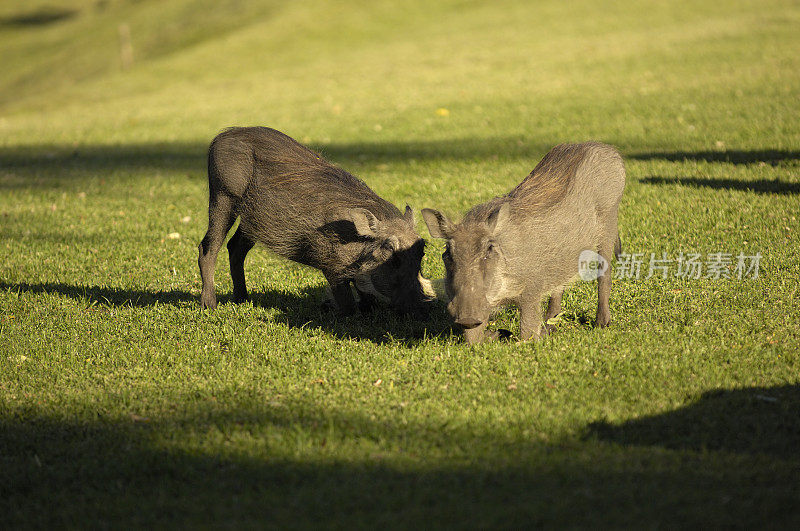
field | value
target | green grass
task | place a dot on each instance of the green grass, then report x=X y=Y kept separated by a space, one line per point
x=122 y=404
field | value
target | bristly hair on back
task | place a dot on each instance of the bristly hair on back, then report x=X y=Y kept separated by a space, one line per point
x=548 y=183
x=552 y=178
x=310 y=173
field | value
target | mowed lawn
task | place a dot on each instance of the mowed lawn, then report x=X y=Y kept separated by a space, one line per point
x=122 y=404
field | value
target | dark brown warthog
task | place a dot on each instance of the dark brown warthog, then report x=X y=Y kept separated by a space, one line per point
x=307 y=210
x=523 y=245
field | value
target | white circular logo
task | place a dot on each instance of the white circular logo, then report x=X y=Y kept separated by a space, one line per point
x=591 y=265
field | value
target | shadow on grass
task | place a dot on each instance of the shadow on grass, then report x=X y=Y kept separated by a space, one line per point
x=48 y=165
x=56 y=165
x=772 y=157
x=97 y=160
x=31 y=166
x=269 y=464
x=297 y=310
x=104 y=296
x=381 y=325
x=40 y=17
x=757 y=420
x=509 y=147
x=761 y=186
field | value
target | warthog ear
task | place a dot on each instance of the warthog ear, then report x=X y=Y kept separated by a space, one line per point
x=409 y=216
x=365 y=221
x=498 y=218
x=438 y=225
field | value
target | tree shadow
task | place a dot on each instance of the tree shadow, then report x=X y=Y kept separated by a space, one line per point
x=266 y=463
x=48 y=165
x=40 y=17
x=772 y=157
x=760 y=186
x=51 y=165
x=303 y=310
x=468 y=148
x=757 y=420
x=112 y=297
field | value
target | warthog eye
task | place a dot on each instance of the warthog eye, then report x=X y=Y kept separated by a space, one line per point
x=489 y=250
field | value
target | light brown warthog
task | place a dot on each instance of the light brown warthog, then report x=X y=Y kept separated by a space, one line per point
x=519 y=247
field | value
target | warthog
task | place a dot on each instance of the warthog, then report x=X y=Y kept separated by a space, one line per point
x=305 y=209
x=519 y=247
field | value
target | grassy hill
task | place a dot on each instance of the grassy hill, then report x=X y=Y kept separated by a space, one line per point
x=122 y=403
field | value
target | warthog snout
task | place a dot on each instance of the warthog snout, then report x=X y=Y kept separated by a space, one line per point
x=468 y=322
x=465 y=315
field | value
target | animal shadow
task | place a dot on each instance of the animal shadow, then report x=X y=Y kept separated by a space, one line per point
x=380 y=324
x=303 y=309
